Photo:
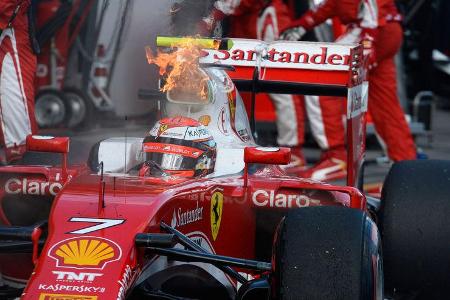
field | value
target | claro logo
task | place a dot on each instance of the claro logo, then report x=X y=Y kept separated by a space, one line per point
x=29 y=187
x=263 y=198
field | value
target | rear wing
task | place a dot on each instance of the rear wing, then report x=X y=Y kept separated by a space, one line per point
x=305 y=68
x=325 y=67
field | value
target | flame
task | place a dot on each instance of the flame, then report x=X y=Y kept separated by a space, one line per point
x=181 y=70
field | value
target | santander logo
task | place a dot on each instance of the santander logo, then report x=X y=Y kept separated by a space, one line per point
x=29 y=187
x=287 y=57
x=284 y=55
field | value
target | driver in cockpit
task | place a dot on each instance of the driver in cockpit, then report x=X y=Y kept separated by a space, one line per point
x=180 y=147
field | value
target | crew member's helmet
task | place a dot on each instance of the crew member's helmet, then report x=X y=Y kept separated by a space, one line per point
x=181 y=146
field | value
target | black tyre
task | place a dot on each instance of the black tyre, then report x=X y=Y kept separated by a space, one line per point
x=415 y=225
x=327 y=253
x=50 y=108
x=80 y=109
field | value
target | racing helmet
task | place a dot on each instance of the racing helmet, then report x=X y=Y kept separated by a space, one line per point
x=181 y=146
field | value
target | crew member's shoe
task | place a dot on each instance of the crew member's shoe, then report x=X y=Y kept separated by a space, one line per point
x=332 y=166
x=298 y=162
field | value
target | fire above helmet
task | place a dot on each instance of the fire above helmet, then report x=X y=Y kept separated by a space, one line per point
x=181 y=146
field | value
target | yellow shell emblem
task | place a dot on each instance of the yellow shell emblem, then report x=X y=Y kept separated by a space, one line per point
x=216 y=213
x=85 y=252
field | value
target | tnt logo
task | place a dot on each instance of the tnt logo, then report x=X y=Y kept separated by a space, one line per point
x=72 y=276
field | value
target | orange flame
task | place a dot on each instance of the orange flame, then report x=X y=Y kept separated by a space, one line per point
x=183 y=76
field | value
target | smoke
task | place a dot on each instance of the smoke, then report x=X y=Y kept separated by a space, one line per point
x=146 y=19
x=186 y=14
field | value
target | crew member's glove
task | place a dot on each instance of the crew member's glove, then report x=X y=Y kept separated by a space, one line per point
x=206 y=25
x=293 y=34
x=368 y=43
x=297 y=29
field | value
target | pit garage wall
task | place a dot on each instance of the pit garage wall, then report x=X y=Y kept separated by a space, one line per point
x=147 y=18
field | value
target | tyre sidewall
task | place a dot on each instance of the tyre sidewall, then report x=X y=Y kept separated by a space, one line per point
x=366 y=261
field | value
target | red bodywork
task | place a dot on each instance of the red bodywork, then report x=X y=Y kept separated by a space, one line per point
x=143 y=206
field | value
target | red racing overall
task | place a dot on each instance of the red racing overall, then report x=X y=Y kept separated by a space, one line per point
x=17 y=69
x=379 y=20
x=263 y=20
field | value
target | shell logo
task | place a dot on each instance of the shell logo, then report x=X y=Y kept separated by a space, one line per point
x=85 y=252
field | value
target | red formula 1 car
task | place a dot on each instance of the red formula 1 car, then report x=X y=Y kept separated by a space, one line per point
x=136 y=224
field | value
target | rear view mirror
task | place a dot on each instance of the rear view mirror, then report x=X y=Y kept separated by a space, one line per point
x=40 y=143
x=51 y=144
x=267 y=155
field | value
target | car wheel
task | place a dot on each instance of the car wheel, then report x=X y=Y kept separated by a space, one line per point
x=415 y=225
x=80 y=109
x=50 y=108
x=327 y=253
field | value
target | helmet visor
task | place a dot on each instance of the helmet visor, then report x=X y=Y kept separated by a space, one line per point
x=172 y=162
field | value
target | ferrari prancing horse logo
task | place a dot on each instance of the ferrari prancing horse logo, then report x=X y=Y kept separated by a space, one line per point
x=162 y=129
x=216 y=213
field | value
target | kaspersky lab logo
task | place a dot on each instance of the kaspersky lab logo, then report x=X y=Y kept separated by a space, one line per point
x=87 y=252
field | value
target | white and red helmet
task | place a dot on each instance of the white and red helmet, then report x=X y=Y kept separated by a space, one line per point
x=181 y=146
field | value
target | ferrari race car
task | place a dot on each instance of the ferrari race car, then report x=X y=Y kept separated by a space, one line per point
x=217 y=217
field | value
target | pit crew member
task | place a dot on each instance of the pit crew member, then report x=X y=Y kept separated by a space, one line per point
x=263 y=19
x=376 y=25
x=17 y=69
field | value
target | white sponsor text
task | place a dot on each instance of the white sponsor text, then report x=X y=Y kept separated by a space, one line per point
x=270 y=199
